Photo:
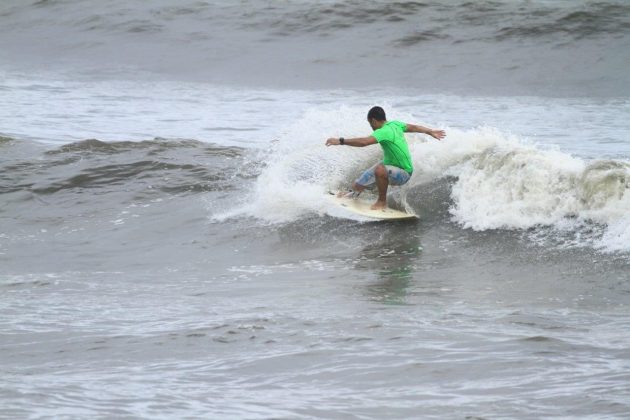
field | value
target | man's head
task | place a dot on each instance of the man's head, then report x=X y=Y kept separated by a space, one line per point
x=376 y=117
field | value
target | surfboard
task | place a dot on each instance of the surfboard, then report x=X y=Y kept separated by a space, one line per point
x=361 y=206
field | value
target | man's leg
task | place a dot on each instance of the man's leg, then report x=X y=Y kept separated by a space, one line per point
x=382 y=182
x=354 y=192
x=366 y=179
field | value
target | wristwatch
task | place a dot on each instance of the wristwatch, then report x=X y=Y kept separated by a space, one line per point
x=342 y=141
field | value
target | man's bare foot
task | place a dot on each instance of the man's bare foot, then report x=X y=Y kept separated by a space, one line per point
x=379 y=205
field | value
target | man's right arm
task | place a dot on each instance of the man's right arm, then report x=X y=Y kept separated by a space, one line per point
x=356 y=142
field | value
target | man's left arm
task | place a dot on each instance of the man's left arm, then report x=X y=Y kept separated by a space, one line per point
x=436 y=134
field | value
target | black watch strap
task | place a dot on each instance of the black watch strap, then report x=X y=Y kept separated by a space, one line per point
x=342 y=141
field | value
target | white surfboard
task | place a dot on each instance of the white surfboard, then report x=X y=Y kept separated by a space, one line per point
x=361 y=206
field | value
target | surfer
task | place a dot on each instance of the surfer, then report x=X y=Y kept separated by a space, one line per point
x=396 y=167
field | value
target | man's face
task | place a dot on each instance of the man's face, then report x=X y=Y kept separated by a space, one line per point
x=372 y=123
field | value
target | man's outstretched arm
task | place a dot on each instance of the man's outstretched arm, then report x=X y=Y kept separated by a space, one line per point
x=356 y=142
x=437 y=134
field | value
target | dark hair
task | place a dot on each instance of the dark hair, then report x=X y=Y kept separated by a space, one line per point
x=377 y=113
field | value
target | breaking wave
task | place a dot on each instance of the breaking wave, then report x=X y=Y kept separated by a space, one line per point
x=499 y=181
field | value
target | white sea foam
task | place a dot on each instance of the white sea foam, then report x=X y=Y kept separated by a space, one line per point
x=301 y=169
x=517 y=186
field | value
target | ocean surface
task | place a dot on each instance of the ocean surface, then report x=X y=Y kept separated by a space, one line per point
x=167 y=249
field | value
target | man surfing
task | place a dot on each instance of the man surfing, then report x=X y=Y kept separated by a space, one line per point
x=396 y=167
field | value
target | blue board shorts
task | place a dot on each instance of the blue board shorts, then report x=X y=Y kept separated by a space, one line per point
x=396 y=176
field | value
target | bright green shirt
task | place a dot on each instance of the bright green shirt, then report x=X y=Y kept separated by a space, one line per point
x=395 y=150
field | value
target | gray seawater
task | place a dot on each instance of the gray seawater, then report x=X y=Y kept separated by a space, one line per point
x=165 y=251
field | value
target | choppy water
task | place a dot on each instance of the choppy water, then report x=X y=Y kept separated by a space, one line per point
x=165 y=250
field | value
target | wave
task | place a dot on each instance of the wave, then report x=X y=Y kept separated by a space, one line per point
x=481 y=178
x=196 y=40
x=159 y=165
x=497 y=181
x=593 y=20
x=154 y=146
x=577 y=21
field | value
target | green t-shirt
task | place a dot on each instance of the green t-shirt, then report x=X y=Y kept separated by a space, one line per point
x=395 y=150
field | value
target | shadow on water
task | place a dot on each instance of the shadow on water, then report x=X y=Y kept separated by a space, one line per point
x=383 y=255
x=393 y=261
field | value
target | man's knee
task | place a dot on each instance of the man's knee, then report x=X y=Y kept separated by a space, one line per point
x=380 y=171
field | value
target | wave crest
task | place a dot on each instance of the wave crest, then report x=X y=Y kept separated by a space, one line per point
x=525 y=187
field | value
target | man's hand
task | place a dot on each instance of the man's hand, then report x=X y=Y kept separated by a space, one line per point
x=437 y=134
x=332 y=142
